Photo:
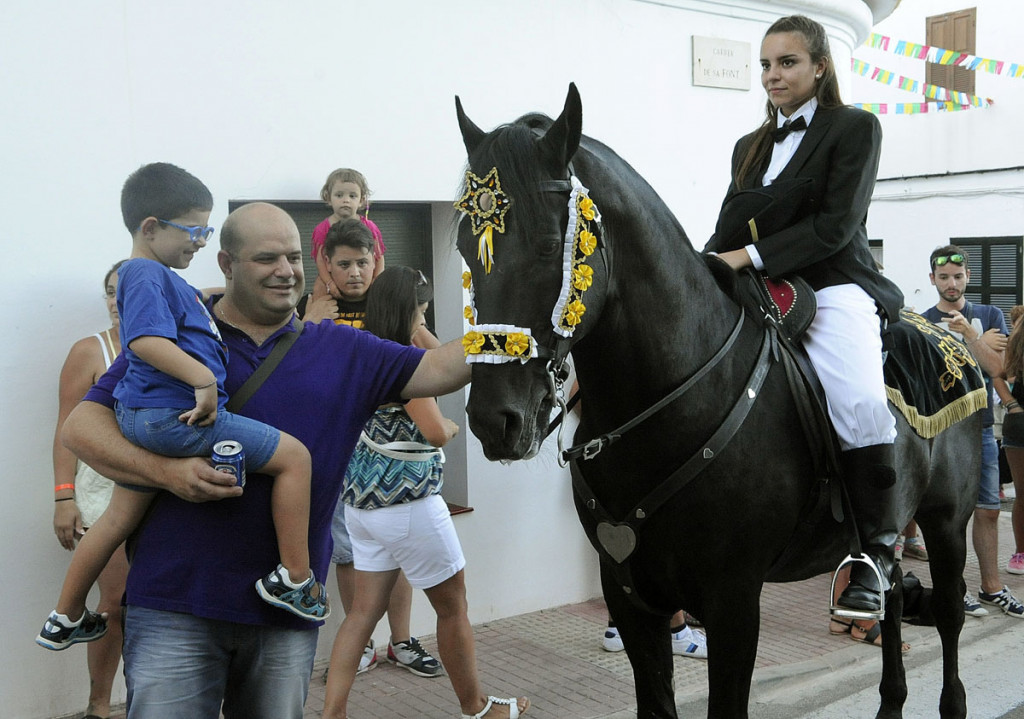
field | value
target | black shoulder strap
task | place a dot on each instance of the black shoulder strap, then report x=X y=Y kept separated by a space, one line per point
x=266 y=368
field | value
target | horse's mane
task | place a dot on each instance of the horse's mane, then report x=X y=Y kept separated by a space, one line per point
x=513 y=147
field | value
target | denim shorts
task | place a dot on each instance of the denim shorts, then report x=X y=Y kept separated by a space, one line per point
x=159 y=430
x=988 y=490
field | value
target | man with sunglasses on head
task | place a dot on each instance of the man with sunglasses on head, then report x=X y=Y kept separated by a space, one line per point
x=983 y=329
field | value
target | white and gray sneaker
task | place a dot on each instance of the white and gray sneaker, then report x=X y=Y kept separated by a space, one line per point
x=369 y=659
x=689 y=642
x=972 y=606
x=410 y=655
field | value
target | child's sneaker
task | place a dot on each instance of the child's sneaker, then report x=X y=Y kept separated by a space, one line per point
x=612 y=642
x=414 y=658
x=1010 y=605
x=690 y=643
x=299 y=600
x=57 y=635
x=1016 y=564
x=369 y=659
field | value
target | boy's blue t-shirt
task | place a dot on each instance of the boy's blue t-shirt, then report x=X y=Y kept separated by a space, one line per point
x=153 y=301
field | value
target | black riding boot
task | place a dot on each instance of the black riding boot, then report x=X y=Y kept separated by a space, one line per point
x=870 y=482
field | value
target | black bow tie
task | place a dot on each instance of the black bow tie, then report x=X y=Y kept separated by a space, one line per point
x=789 y=126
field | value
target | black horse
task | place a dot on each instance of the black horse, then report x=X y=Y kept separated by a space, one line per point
x=642 y=316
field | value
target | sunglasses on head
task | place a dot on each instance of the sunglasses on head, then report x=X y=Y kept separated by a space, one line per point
x=956 y=259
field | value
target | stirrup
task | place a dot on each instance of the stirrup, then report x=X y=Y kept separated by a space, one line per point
x=837 y=610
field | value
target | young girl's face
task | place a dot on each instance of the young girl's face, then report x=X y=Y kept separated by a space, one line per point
x=787 y=73
x=419 y=319
x=346 y=199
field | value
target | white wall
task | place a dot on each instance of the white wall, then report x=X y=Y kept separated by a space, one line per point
x=261 y=101
x=938 y=152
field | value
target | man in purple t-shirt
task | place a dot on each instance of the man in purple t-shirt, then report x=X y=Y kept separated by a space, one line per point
x=198 y=640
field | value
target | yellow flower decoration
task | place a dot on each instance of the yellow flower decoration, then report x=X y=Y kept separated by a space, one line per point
x=472 y=343
x=588 y=242
x=582 y=277
x=467 y=279
x=587 y=208
x=574 y=313
x=517 y=344
x=467 y=312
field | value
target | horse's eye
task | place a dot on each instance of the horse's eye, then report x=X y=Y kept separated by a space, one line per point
x=549 y=245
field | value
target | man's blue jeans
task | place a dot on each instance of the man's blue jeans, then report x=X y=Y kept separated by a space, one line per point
x=179 y=666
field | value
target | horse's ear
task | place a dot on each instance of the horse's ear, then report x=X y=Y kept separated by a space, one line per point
x=563 y=138
x=471 y=134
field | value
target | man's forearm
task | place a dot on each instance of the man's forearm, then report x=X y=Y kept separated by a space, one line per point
x=441 y=371
x=91 y=432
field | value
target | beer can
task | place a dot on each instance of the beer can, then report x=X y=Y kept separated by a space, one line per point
x=228 y=457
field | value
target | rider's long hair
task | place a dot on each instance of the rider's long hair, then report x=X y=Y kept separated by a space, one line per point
x=826 y=89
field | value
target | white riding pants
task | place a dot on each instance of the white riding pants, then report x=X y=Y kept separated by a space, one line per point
x=845 y=347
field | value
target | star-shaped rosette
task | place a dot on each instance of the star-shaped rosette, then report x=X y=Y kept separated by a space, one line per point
x=485 y=203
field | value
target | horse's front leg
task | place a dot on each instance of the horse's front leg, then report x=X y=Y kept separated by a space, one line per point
x=732 y=619
x=893 y=686
x=947 y=550
x=648 y=644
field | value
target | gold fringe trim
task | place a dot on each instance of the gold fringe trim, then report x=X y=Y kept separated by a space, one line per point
x=929 y=426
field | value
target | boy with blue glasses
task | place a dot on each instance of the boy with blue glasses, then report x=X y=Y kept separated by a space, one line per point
x=171 y=401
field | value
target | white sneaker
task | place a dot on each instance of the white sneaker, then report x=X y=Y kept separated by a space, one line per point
x=973 y=607
x=369 y=659
x=612 y=642
x=690 y=643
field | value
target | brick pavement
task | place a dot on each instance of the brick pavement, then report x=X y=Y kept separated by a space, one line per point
x=555 y=657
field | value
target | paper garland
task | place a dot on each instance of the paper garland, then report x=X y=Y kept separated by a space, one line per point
x=939 y=56
x=935 y=92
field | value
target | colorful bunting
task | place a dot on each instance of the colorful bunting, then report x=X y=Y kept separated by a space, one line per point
x=944 y=57
x=934 y=92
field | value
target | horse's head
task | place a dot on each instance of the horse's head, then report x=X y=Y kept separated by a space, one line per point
x=530 y=235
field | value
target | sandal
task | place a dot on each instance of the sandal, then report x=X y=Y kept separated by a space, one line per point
x=838 y=626
x=513 y=708
x=872 y=636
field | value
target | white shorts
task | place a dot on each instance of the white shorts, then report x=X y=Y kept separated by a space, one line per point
x=417 y=537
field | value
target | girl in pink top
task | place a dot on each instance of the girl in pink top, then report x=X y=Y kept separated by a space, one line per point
x=347 y=194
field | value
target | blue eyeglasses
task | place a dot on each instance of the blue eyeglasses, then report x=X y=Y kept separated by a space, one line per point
x=195 y=232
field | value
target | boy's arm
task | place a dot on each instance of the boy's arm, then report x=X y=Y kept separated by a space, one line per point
x=164 y=355
x=91 y=432
x=441 y=371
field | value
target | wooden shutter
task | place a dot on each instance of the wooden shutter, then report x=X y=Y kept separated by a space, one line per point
x=953 y=31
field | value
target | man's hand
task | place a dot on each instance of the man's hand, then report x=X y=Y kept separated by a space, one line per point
x=195 y=480
x=959 y=324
